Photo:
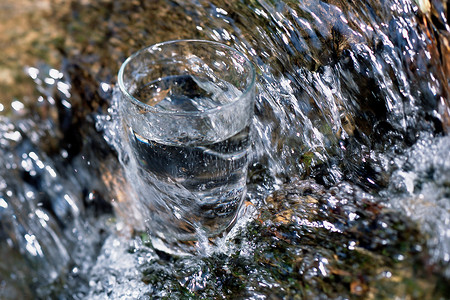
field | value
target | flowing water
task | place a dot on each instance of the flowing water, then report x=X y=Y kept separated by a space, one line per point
x=348 y=186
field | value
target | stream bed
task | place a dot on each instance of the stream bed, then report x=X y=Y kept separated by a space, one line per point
x=349 y=181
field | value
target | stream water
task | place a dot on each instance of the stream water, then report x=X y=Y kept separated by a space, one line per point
x=349 y=180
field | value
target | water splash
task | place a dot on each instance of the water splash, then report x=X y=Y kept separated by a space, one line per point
x=353 y=95
x=349 y=72
x=419 y=187
x=357 y=84
x=46 y=205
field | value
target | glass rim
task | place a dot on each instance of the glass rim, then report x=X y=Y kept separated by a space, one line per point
x=150 y=108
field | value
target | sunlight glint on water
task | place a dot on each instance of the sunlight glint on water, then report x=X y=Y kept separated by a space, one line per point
x=343 y=93
x=348 y=84
x=352 y=91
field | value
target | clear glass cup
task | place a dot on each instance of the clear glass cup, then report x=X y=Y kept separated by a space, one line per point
x=186 y=107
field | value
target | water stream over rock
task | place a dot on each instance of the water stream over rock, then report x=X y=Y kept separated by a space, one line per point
x=349 y=187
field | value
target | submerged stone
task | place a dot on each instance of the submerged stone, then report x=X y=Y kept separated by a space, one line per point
x=352 y=95
x=308 y=241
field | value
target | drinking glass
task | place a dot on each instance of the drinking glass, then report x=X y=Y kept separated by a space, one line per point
x=186 y=107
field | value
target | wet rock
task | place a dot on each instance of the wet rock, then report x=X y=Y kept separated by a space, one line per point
x=307 y=241
x=345 y=91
